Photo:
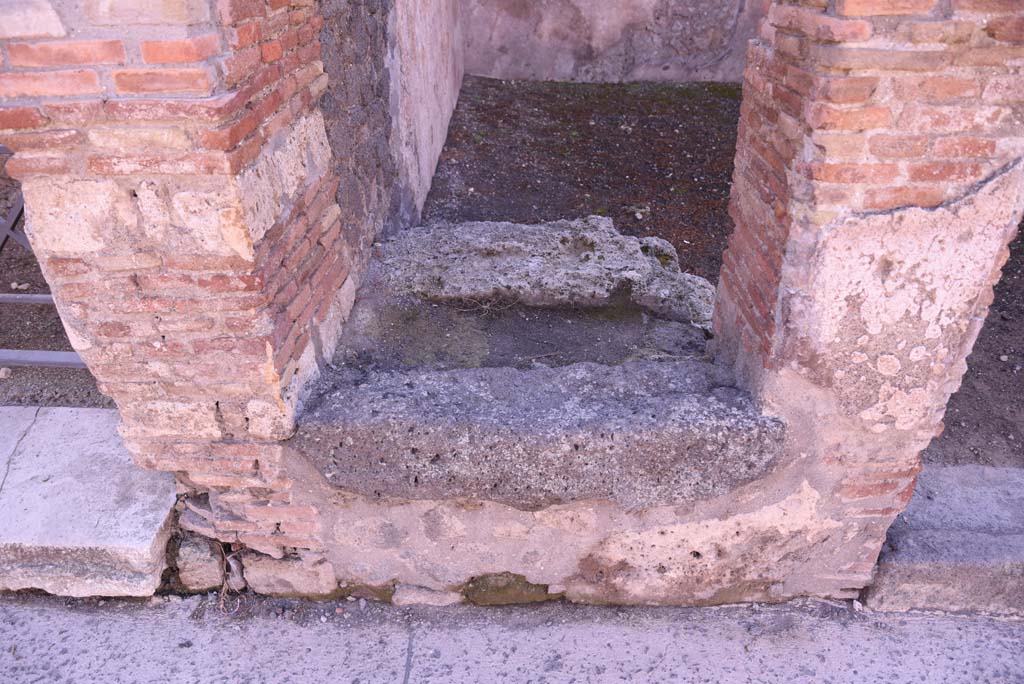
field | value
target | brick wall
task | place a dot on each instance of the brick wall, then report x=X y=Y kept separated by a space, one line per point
x=879 y=179
x=181 y=200
x=860 y=106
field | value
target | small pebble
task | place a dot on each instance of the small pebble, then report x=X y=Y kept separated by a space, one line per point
x=323 y=618
x=5 y=373
x=339 y=611
x=362 y=604
x=1004 y=357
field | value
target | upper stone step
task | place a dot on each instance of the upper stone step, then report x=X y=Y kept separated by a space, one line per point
x=581 y=263
x=501 y=294
x=641 y=434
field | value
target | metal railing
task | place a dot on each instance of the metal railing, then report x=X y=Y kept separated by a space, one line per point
x=28 y=357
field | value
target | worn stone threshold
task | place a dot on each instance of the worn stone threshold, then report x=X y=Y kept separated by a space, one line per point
x=77 y=517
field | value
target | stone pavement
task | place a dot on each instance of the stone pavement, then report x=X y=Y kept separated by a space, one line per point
x=77 y=518
x=182 y=641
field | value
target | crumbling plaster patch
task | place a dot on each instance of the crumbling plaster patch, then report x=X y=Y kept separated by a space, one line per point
x=426 y=65
x=30 y=19
x=59 y=222
x=890 y=302
x=609 y=40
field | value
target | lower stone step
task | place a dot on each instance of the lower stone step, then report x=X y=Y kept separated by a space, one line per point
x=77 y=517
x=959 y=546
x=639 y=434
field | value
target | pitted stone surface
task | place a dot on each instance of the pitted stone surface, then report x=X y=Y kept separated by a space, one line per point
x=959 y=546
x=77 y=518
x=565 y=263
x=638 y=434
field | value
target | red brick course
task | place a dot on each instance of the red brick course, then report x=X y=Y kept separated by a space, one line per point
x=893 y=103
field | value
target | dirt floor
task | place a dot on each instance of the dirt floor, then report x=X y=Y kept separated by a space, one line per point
x=657 y=159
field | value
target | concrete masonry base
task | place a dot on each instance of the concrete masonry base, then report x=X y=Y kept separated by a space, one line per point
x=78 y=519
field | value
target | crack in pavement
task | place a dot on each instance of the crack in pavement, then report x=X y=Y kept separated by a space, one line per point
x=14 y=451
x=408 y=658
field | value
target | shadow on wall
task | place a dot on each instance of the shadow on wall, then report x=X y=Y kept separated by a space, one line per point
x=610 y=40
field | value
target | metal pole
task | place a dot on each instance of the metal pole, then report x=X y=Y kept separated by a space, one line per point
x=40 y=359
x=26 y=299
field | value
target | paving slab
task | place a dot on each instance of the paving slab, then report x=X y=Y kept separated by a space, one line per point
x=959 y=546
x=77 y=517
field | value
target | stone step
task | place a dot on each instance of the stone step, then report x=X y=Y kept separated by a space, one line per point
x=959 y=546
x=641 y=433
x=77 y=517
x=581 y=263
x=501 y=294
x=532 y=365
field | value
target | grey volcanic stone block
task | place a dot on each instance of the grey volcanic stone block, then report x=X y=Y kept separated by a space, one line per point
x=77 y=517
x=564 y=263
x=959 y=546
x=640 y=434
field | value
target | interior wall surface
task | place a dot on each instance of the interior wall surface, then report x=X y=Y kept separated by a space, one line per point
x=426 y=61
x=610 y=40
